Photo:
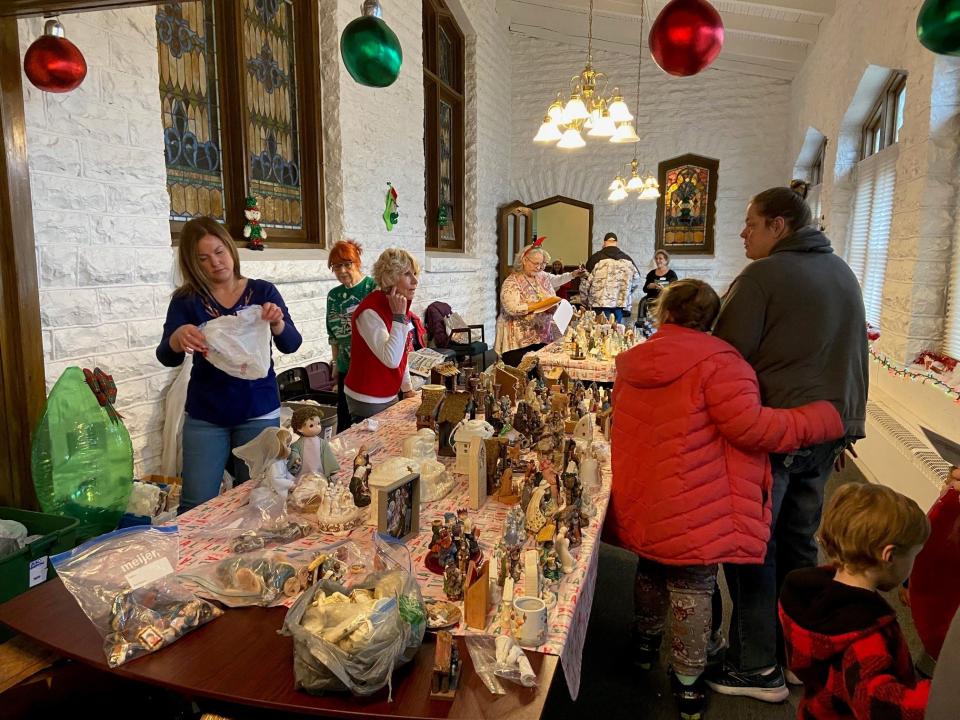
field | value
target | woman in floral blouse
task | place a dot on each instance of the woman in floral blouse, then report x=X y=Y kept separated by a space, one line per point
x=519 y=330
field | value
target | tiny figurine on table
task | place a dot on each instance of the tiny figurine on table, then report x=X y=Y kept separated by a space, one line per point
x=337 y=512
x=562 y=545
x=360 y=482
x=527 y=421
x=550 y=564
x=453 y=411
x=310 y=453
x=453 y=581
x=541 y=512
x=266 y=457
x=453 y=539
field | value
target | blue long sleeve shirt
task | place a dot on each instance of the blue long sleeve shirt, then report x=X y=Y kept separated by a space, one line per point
x=212 y=395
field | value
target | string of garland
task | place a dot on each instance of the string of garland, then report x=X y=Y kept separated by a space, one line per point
x=923 y=377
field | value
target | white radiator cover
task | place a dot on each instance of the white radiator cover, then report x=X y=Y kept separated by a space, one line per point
x=896 y=454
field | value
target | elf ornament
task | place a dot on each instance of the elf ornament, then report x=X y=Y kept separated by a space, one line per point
x=253 y=231
x=391 y=209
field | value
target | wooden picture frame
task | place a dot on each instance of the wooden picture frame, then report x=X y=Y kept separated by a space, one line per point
x=686 y=214
x=406 y=490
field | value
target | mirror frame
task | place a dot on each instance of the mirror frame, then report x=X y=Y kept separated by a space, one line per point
x=577 y=203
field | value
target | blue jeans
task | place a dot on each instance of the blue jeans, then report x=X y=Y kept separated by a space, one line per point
x=206 y=450
x=799 y=480
x=617 y=313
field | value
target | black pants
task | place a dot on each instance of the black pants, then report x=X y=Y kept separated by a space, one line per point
x=344 y=420
x=513 y=357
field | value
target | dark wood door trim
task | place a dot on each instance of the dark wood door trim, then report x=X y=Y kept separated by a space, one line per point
x=21 y=346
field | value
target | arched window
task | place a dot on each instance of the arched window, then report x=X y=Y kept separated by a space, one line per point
x=443 y=71
x=240 y=92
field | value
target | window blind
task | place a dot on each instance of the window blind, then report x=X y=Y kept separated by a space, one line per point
x=951 y=339
x=869 y=235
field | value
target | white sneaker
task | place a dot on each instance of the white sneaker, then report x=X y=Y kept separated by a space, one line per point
x=791 y=678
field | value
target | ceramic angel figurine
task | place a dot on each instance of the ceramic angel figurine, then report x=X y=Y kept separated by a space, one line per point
x=562 y=544
x=266 y=457
x=310 y=454
x=359 y=483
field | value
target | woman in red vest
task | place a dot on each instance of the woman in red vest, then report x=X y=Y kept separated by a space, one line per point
x=381 y=329
x=691 y=474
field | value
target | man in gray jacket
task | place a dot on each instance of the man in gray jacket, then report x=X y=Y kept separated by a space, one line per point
x=796 y=315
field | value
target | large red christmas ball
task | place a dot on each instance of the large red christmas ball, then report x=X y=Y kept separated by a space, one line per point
x=54 y=64
x=686 y=37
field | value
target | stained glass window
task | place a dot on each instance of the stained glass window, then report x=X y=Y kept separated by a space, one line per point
x=270 y=129
x=271 y=110
x=686 y=205
x=191 y=112
x=443 y=126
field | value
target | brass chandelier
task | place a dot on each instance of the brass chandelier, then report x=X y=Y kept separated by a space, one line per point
x=589 y=108
x=646 y=184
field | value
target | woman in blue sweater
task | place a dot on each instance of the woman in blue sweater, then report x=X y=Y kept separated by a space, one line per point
x=222 y=411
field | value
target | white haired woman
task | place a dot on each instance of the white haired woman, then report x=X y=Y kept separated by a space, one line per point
x=381 y=331
x=520 y=330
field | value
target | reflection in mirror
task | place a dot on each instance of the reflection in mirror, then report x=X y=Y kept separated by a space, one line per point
x=567 y=224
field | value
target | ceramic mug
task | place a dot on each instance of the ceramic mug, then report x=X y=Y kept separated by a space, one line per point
x=531 y=614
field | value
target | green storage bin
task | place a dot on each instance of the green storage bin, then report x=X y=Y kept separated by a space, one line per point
x=58 y=534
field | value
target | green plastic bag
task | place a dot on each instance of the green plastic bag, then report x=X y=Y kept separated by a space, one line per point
x=82 y=459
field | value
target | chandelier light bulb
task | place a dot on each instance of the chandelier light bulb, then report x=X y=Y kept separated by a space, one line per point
x=635 y=182
x=615 y=184
x=625 y=134
x=604 y=127
x=649 y=193
x=575 y=109
x=617 y=195
x=548 y=132
x=555 y=111
x=571 y=140
x=618 y=108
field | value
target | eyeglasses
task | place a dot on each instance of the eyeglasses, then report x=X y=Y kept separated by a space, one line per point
x=539 y=265
x=342 y=266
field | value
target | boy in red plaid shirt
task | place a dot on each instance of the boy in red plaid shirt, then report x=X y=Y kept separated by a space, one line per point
x=842 y=638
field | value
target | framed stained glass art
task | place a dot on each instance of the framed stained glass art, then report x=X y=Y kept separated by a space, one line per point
x=686 y=210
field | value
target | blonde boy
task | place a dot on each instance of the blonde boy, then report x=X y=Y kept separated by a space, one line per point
x=842 y=638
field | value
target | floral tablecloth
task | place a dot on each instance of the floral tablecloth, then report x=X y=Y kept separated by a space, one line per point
x=568 y=619
x=586 y=370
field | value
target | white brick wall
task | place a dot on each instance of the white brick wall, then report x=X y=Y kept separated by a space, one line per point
x=100 y=205
x=739 y=119
x=925 y=203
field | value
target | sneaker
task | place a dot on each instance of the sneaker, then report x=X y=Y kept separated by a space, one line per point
x=769 y=687
x=646 y=650
x=791 y=678
x=691 y=699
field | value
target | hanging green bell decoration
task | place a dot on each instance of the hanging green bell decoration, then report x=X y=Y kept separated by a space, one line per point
x=370 y=49
x=938 y=26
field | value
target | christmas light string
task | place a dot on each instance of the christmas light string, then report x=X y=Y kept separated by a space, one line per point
x=924 y=378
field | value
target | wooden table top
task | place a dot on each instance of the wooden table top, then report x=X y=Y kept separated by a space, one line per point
x=239 y=658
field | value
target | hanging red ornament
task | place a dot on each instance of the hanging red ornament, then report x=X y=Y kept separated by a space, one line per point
x=53 y=63
x=686 y=37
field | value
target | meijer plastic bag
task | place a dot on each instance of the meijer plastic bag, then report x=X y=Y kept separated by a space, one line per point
x=239 y=344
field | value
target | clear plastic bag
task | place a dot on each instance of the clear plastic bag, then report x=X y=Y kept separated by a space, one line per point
x=352 y=637
x=500 y=657
x=124 y=582
x=239 y=344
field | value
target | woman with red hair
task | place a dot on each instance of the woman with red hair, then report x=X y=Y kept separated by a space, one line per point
x=342 y=301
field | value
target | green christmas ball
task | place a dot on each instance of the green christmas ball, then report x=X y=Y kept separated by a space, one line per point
x=938 y=26
x=371 y=52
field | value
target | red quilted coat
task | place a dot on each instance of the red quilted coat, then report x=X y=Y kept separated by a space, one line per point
x=691 y=475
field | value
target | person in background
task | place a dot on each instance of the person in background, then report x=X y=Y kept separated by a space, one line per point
x=381 y=327
x=556 y=267
x=345 y=261
x=796 y=315
x=520 y=330
x=691 y=486
x=842 y=638
x=612 y=280
x=658 y=278
x=222 y=411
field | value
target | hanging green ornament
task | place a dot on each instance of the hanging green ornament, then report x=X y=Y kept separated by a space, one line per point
x=442 y=217
x=370 y=49
x=938 y=26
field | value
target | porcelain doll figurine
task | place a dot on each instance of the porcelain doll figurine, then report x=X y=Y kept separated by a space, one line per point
x=360 y=482
x=266 y=457
x=310 y=454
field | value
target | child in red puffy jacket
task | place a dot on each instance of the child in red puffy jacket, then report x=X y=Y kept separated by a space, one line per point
x=842 y=638
x=691 y=474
